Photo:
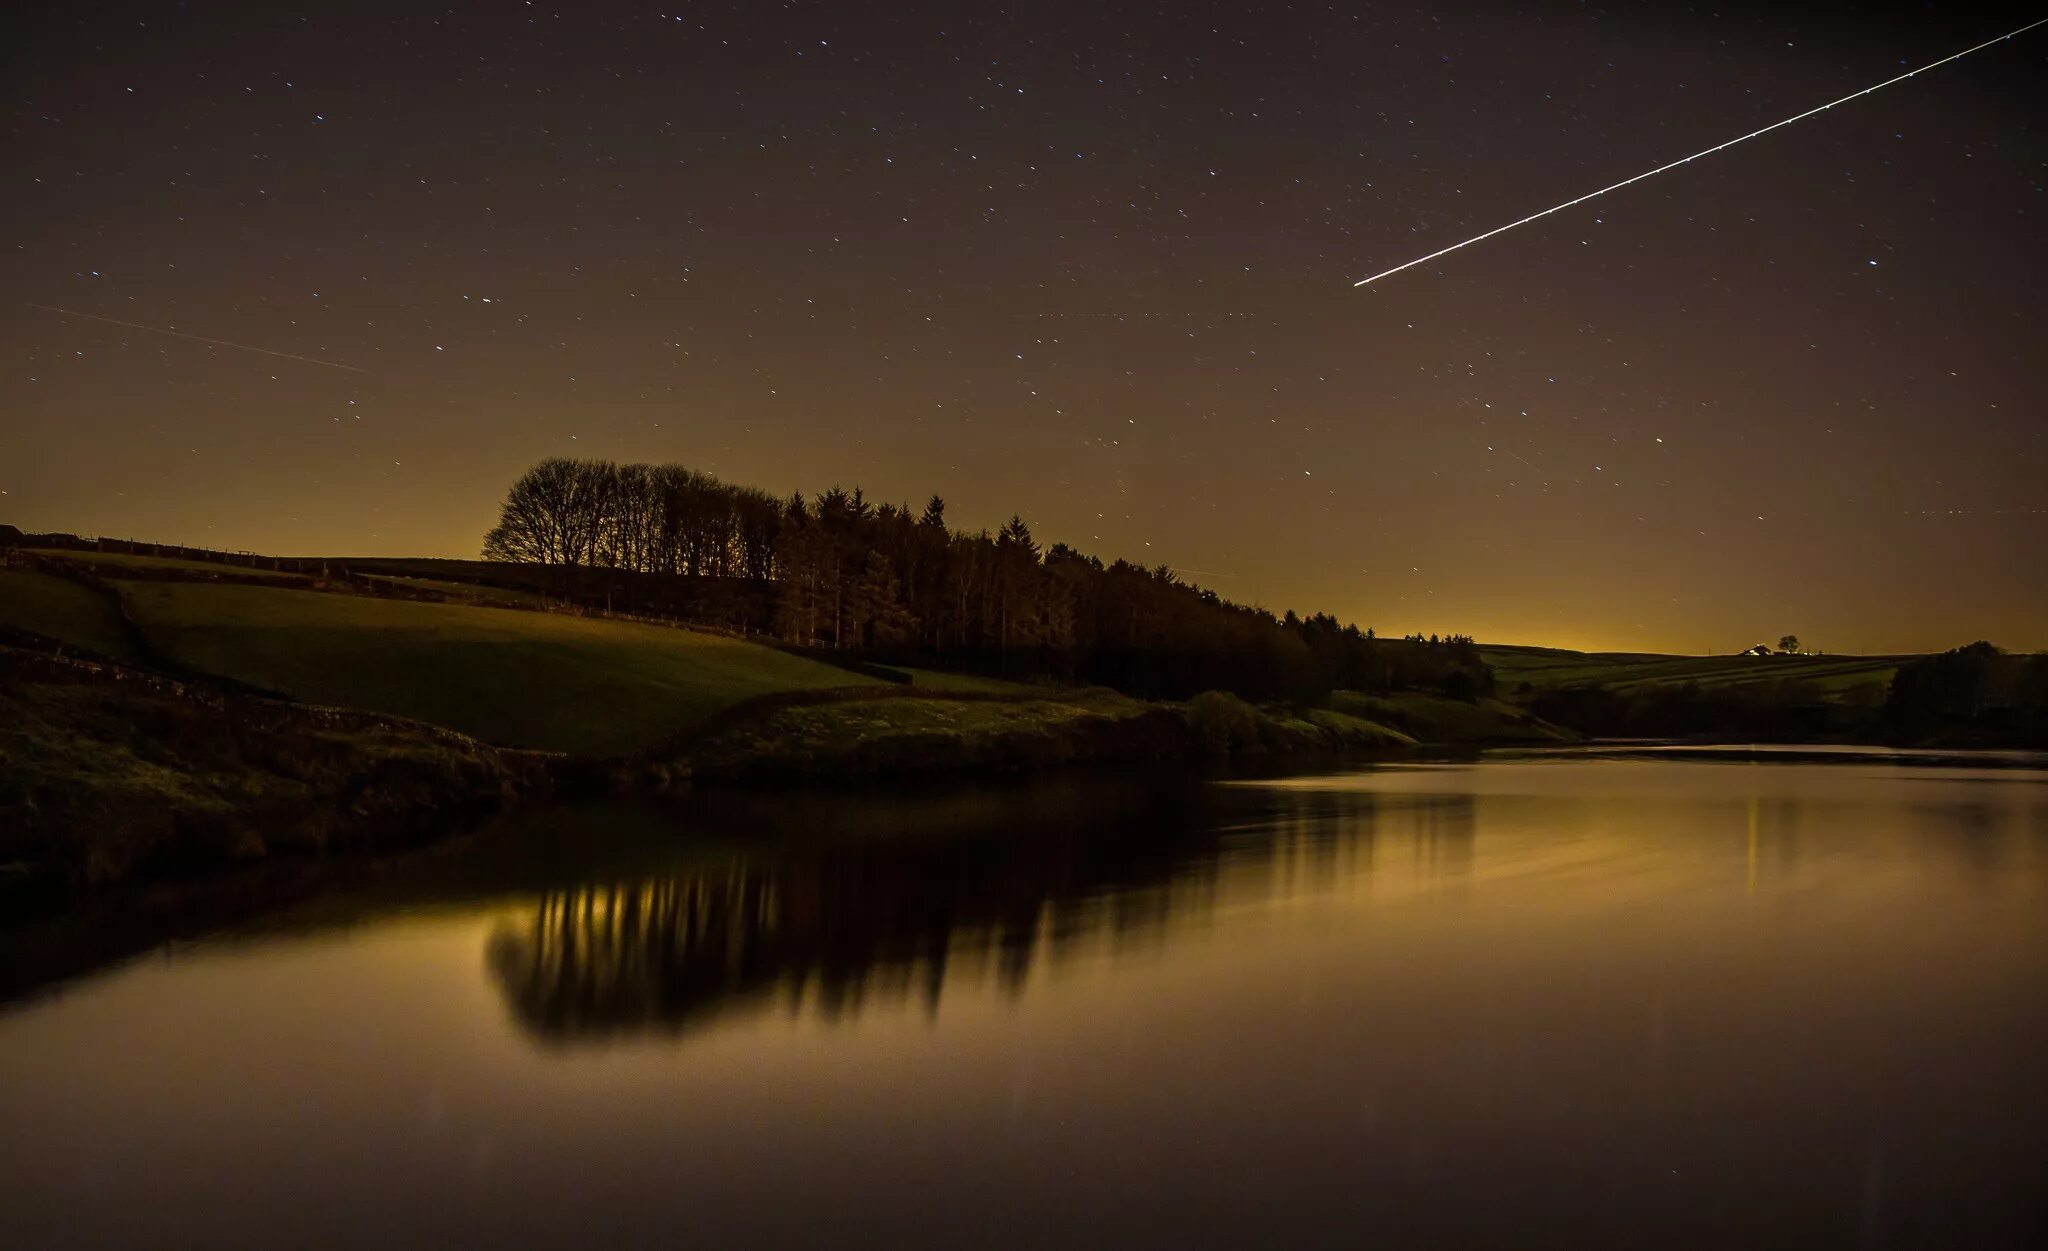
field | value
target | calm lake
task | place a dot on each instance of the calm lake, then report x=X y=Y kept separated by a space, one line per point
x=1633 y=1000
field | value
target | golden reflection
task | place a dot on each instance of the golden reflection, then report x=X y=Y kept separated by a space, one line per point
x=1407 y=978
x=1752 y=840
x=895 y=923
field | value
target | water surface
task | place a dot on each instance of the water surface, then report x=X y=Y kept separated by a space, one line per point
x=1522 y=1001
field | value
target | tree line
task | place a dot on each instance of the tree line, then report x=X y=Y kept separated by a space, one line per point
x=1971 y=695
x=894 y=583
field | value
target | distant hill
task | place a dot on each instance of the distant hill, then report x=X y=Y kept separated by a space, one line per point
x=1526 y=670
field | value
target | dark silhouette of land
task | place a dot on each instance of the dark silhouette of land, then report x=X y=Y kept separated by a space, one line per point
x=171 y=709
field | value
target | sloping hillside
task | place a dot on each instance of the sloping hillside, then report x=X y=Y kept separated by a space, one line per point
x=523 y=679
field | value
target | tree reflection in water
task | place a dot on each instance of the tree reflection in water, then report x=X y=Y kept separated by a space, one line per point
x=859 y=920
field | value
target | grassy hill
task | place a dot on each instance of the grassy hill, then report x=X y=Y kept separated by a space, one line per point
x=62 y=610
x=1434 y=719
x=1544 y=668
x=451 y=644
x=523 y=679
x=459 y=590
x=115 y=564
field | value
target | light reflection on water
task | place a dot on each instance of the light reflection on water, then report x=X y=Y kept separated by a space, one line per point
x=1515 y=1002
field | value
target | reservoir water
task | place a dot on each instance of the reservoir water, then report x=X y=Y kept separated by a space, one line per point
x=1538 y=1000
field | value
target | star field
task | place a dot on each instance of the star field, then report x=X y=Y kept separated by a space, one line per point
x=1088 y=264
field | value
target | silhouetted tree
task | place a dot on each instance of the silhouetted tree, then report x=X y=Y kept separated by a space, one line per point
x=841 y=571
x=552 y=515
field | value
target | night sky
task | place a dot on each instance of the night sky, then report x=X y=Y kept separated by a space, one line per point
x=1085 y=263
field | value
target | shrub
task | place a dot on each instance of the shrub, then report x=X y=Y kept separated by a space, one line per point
x=1222 y=723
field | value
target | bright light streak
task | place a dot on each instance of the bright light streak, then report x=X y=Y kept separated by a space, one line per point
x=197 y=338
x=1558 y=208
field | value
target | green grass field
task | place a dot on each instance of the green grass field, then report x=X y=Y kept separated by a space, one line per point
x=968 y=683
x=62 y=610
x=1434 y=719
x=1355 y=730
x=458 y=590
x=523 y=679
x=1545 y=668
x=113 y=564
x=122 y=564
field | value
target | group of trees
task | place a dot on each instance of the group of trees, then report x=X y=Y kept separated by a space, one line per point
x=639 y=518
x=892 y=582
x=1969 y=695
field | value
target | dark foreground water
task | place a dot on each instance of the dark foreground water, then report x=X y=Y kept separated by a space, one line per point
x=1525 y=1002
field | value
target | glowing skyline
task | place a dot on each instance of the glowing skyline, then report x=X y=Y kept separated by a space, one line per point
x=1078 y=270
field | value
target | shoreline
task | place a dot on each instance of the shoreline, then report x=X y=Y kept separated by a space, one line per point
x=398 y=794
x=133 y=774
x=115 y=774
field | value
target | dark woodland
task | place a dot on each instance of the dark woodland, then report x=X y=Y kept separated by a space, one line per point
x=891 y=582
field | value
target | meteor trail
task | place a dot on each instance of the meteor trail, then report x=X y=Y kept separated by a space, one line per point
x=196 y=338
x=1697 y=155
x=1517 y=455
